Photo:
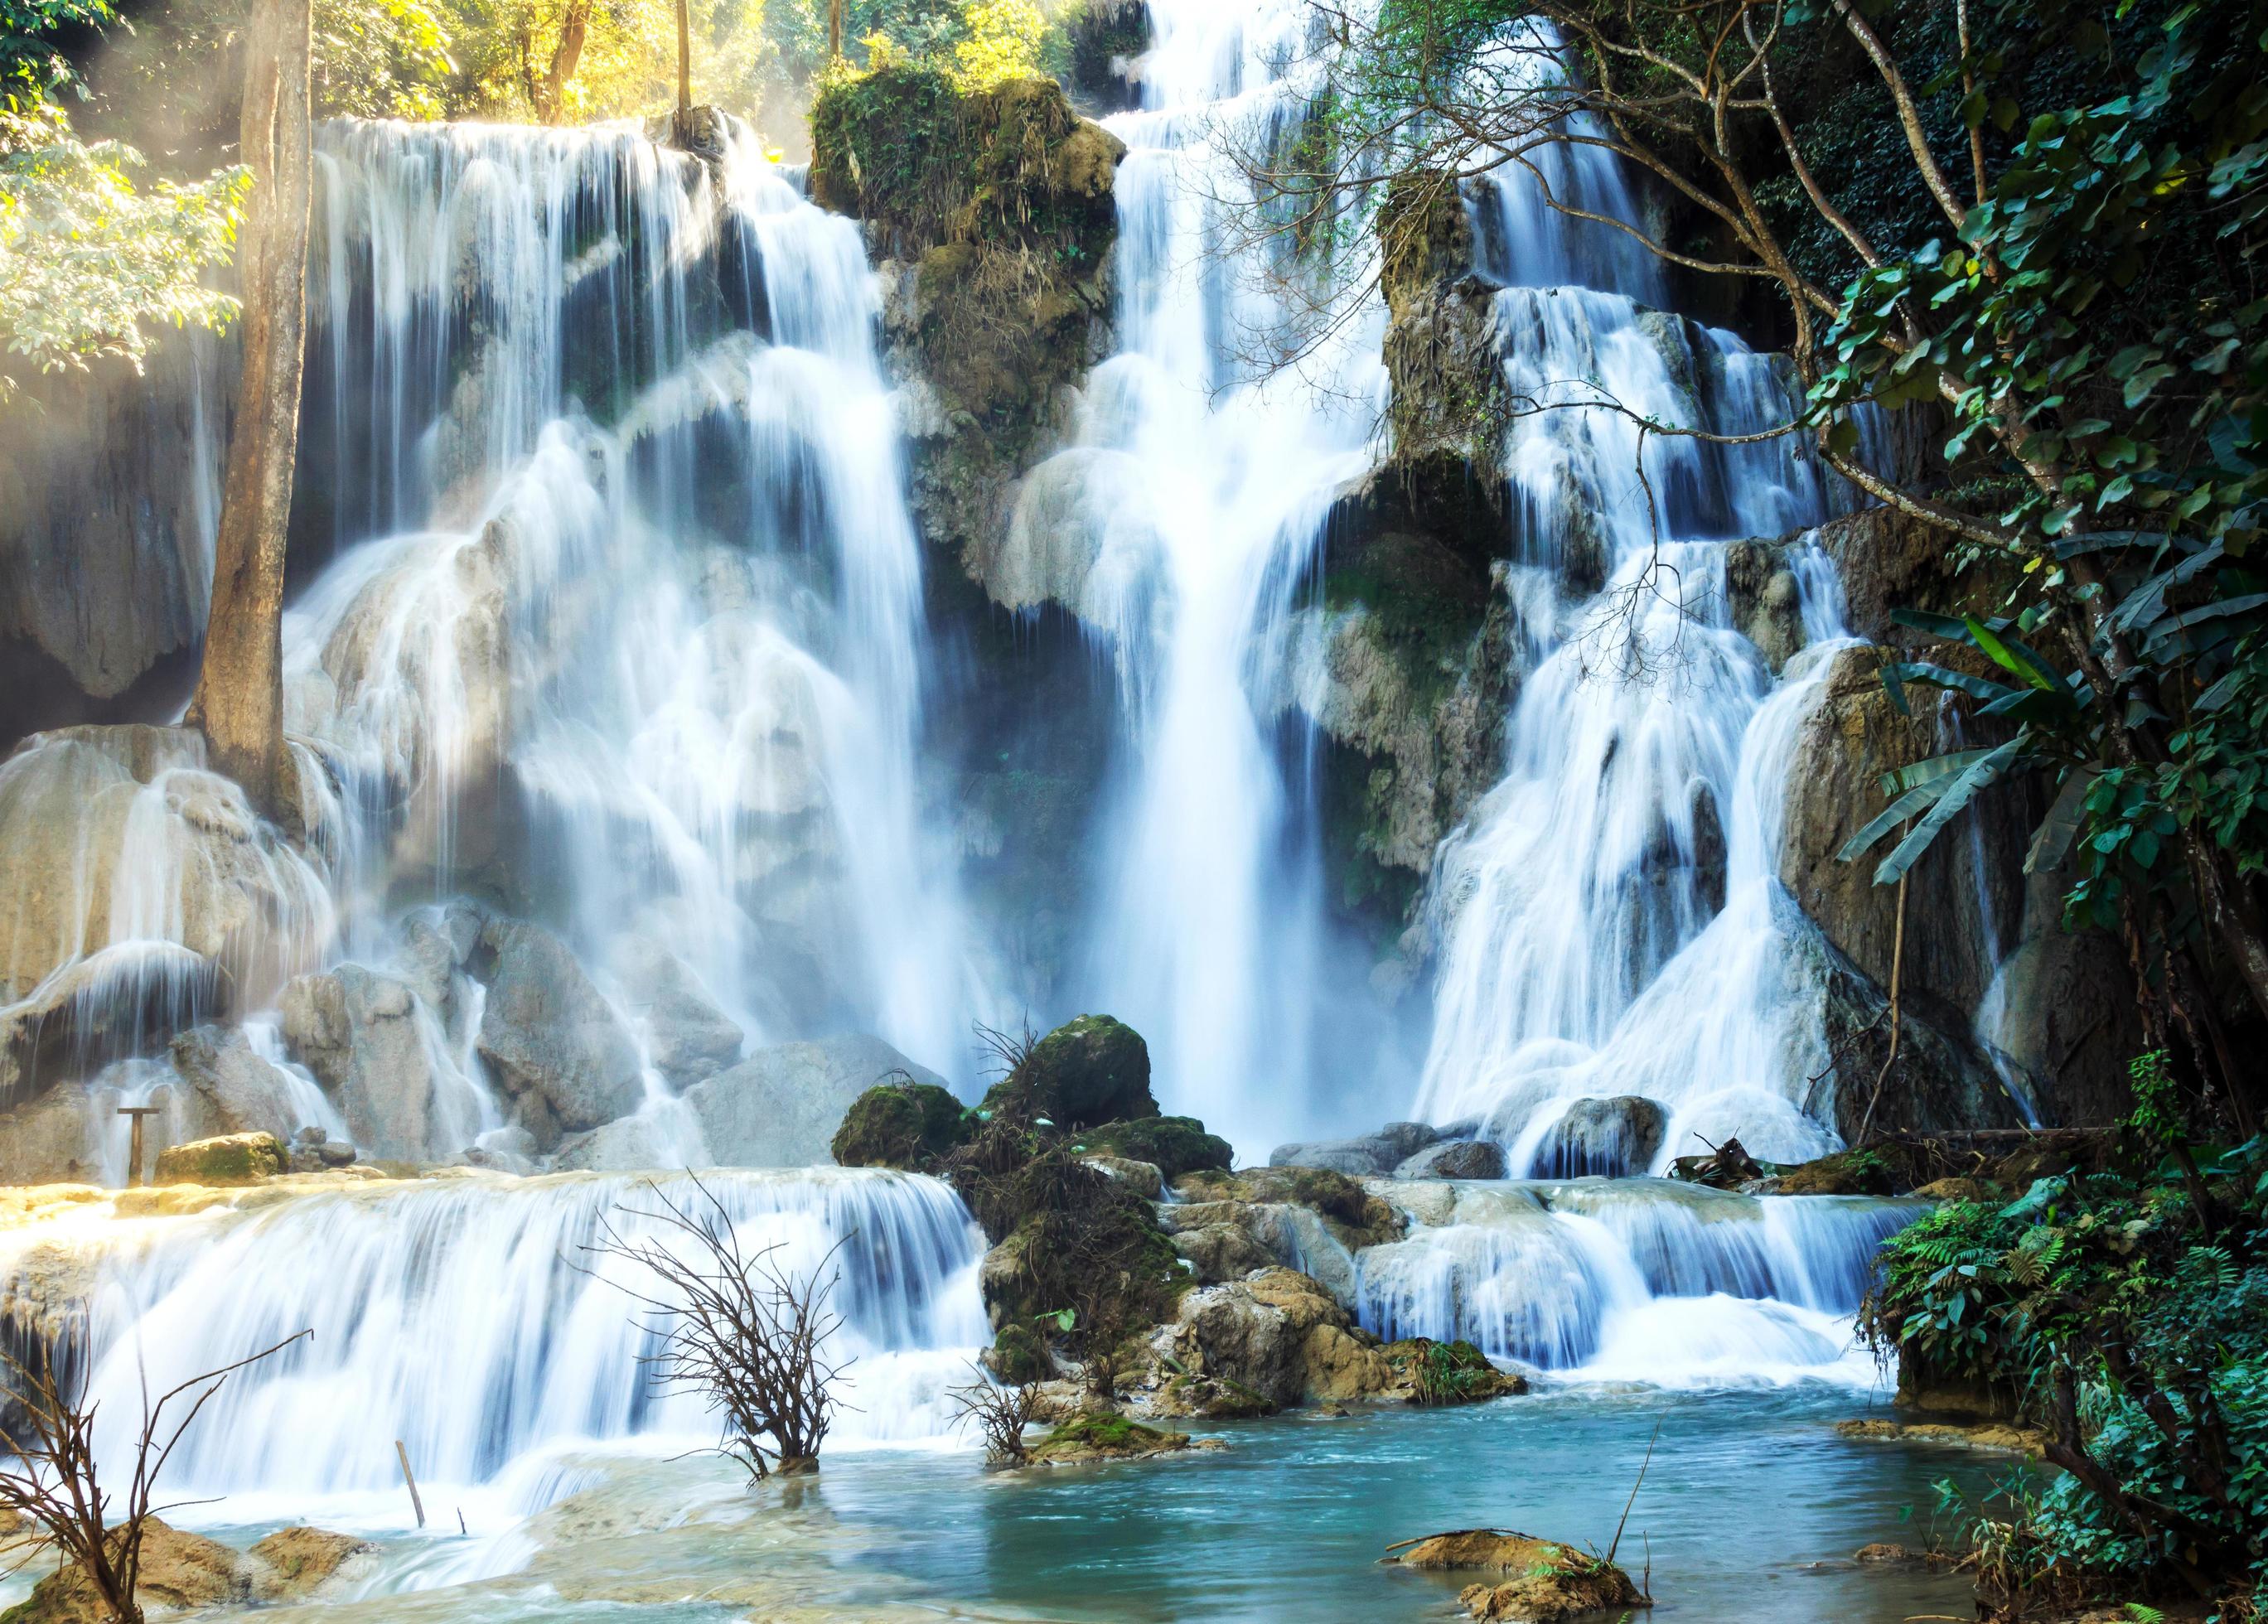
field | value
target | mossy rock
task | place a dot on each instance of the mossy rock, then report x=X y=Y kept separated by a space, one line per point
x=906 y=1125
x=1092 y=1070
x=1174 y=1145
x=233 y=1158
x=1332 y=1196
x=1019 y=1356
x=1446 y=1373
x=1103 y=1436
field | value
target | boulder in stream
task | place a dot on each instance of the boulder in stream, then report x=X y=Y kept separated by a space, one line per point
x=1616 y=1137
x=180 y=1572
x=231 y=1088
x=1086 y=1072
x=1365 y=1156
x=902 y=1124
x=1455 y=1159
x=1552 y=1581
x=359 y=1031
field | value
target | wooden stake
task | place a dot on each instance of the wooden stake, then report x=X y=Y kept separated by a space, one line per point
x=414 y=1502
x=134 y=1149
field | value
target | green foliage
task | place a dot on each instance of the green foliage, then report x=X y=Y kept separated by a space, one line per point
x=2126 y=1312
x=90 y=260
x=1448 y=1372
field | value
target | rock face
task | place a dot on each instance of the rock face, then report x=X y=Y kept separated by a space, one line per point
x=551 y=1041
x=1762 y=601
x=236 y=1158
x=990 y=216
x=368 y=1042
x=107 y=498
x=780 y=1106
x=140 y=889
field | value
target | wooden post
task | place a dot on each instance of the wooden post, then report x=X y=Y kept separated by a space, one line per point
x=134 y=1151
x=418 y=1505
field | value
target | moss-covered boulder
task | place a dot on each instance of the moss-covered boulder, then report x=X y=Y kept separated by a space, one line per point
x=1103 y=1436
x=1539 y=1580
x=1174 y=1145
x=1018 y=1356
x=906 y=1125
x=1089 y=1071
x=1867 y=1171
x=233 y=1158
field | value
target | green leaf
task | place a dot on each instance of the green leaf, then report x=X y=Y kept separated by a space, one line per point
x=1962 y=791
x=2052 y=839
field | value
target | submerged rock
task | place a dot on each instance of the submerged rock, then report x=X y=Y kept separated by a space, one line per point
x=1104 y=1436
x=236 y=1158
x=291 y=1563
x=687 y=1037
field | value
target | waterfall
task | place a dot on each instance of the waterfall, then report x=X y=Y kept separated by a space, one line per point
x=1634 y=1280
x=469 y=1319
x=673 y=594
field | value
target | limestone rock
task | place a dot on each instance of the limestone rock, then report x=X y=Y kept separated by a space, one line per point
x=1457 y=1158
x=627 y=1144
x=1221 y=1252
x=369 y=1044
x=1278 y=1335
x=780 y=1106
x=48 y=1140
x=180 y=1572
x=546 y=1031
x=1351 y=1215
x=1617 y=1137
x=1146 y=1178
x=232 y=1089
x=292 y=1563
x=687 y=1037
x=235 y=1158
x=1553 y=1581
x=1762 y=601
x=1371 y=1154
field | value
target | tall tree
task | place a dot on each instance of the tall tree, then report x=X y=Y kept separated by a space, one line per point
x=239 y=698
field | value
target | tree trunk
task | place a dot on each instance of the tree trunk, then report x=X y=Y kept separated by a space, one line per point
x=684 y=57
x=834 y=29
x=551 y=104
x=239 y=698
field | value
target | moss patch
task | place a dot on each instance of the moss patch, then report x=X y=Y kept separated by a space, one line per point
x=1173 y=1144
x=1100 y=1436
x=235 y=1158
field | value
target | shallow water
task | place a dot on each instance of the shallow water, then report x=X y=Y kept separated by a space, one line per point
x=1750 y=1510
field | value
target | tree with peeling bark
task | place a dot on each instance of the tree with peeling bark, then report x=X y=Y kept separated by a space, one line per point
x=2030 y=228
x=238 y=704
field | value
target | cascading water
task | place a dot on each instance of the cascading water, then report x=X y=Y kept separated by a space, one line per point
x=473 y=1321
